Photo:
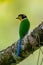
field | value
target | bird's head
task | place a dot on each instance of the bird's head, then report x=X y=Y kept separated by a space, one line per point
x=21 y=17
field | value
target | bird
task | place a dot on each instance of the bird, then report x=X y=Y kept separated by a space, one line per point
x=23 y=30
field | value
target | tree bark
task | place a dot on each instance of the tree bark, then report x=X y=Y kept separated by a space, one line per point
x=29 y=44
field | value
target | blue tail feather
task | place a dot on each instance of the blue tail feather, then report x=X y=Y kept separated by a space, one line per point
x=19 y=47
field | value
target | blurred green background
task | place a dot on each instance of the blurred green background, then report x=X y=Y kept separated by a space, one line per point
x=9 y=26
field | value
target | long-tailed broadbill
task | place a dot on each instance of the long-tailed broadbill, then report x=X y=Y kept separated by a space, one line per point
x=23 y=30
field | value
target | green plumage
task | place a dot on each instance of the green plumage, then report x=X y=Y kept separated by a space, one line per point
x=24 y=27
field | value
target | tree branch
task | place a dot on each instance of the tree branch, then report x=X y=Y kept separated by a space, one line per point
x=29 y=44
